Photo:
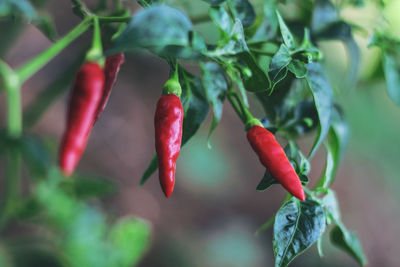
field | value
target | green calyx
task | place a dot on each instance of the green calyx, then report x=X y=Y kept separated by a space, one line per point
x=172 y=86
x=252 y=122
x=95 y=53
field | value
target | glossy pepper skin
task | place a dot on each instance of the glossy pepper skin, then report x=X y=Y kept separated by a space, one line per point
x=168 y=121
x=111 y=68
x=273 y=157
x=85 y=97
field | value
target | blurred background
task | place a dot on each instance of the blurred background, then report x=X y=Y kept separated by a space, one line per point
x=211 y=218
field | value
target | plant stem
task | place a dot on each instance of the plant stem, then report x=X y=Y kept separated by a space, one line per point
x=236 y=106
x=14 y=128
x=14 y=120
x=14 y=108
x=35 y=64
x=246 y=113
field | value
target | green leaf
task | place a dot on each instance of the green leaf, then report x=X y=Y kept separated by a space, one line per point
x=335 y=145
x=153 y=166
x=322 y=95
x=277 y=68
x=129 y=238
x=86 y=186
x=25 y=209
x=198 y=107
x=216 y=87
x=339 y=135
x=287 y=36
x=243 y=10
x=161 y=29
x=298 y=224
x=36 y=155
x=298 y=68
x=18 y=7
x=147 y=3
x=328 y=174
x=266 y=181
x=46 y=25
x=221 y=18
x=268 y=29
x=330 y=203
x=323 y=15
x=214 y=2
x=339 y=235
x=348 y=242
x=235 y=45
x=301 y=118
x=341 y=30
x=391 y=67
x=258 y=81
x=58 y=205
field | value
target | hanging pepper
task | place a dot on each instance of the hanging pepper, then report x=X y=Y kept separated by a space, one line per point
x=85 y=98
x=111 y=69
x=273 y=157
x=168 y=121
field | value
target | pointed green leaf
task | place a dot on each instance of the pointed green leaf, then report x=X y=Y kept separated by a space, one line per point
x=298 y=68
x=391 y=67
x=86 y=186
x=243 y=10
x=342 y=31
x=161 y=29
x=153 y=166
x=322 y=95
x=46 y=25
x=258 y=81
x=323 y=15
x=348 y=242
x=330 y=203
x=278 y=66
x=287 y=36
x=198 y=105
x=214 y=2
x=216 y=87
x=266 y=181
x=298 y=225
x=129 y=237
x=221 y=18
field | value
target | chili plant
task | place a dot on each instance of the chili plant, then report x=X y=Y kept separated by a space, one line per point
x=265 y=50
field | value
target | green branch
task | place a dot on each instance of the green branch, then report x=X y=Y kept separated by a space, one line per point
x=14 y=109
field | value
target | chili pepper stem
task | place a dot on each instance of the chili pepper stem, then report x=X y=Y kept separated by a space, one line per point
x=242 y=111
x=96 y=51
x=35 y=64
x=172 y=86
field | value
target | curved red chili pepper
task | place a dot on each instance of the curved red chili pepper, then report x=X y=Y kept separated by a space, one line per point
x=111 y=69
x=273 y=157
x=85 y=97
x=168 y=121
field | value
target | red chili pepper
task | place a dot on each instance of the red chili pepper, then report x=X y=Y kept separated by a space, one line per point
x=111 y=69
x=85 y=97
x=273 y=157
x=168 y=121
